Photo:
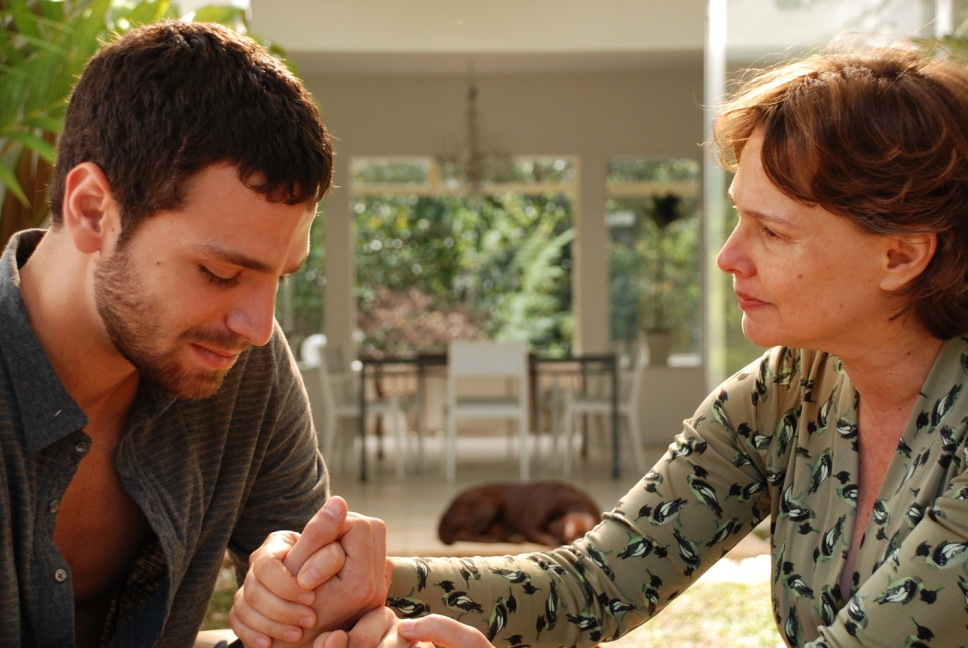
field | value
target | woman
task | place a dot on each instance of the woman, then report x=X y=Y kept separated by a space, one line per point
x=850 y=260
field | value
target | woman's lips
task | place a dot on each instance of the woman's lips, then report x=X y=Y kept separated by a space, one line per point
x=748 y=302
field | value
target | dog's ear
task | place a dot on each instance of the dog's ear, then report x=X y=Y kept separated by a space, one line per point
x=576 y=525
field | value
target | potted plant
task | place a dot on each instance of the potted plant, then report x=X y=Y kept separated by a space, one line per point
x=658 y=289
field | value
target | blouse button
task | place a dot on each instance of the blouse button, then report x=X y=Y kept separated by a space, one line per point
x=81 y=447
x=54 y=505
x=60 y=575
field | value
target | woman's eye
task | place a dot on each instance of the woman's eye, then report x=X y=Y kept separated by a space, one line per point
x=770 y=233
x=221 y=282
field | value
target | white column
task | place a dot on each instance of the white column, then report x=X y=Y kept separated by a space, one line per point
x=590 y=270
x=714 y=191
x=340 y=306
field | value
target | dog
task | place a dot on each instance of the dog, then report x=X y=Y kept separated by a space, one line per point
x=544 y=512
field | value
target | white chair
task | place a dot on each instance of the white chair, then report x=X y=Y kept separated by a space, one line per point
x=338 y=395
x=490 y=360
x=630 y=384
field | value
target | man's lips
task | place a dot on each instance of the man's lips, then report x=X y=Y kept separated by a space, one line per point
x=214 y=357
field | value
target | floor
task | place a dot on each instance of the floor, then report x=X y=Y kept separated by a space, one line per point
x=411 y=505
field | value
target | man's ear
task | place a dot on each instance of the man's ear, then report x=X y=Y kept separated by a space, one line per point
x=907 y=257
x=91 y=215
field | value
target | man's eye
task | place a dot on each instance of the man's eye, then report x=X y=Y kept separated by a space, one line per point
x=770 y=233
x=221 y=282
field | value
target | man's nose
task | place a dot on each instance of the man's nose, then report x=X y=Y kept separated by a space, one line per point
x=252 y=315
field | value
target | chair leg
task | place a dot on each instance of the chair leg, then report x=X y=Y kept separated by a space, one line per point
x=329 y=435
x=450 y=449
x=555 y=422
x=635 y=438
x=525 y=450
x=569 y=433
x=402 y=452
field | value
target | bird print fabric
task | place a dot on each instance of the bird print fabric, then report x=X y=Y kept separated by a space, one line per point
x=779 y=439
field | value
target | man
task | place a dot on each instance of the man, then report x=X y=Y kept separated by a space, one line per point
x=151 y=415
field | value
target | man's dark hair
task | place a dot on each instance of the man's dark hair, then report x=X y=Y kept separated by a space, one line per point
x=170 y=99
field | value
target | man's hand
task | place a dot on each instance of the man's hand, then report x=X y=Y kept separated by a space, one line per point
x=382 y=629
x=341 y=556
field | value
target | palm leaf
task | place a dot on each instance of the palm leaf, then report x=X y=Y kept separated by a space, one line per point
x=42 y=147
x=13 y=186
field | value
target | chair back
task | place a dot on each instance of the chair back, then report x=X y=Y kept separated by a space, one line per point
x=311 y=351
x=487 y=359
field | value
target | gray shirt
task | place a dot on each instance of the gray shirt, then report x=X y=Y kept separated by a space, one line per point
x=211 y=474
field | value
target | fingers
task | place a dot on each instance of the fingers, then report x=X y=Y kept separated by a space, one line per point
x=267 y=570
x=443 y=631
x=372 y=628
x=323 y=529
x=254 y=629
x=265 y=607
x=321 y=566
x=363 y=573
x=335 y=639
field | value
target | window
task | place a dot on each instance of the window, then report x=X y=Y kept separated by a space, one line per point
x=439 y=259
x=654 y=243
x=299 y=303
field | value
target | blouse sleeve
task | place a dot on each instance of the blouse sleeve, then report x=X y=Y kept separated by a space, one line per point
x=709 y=489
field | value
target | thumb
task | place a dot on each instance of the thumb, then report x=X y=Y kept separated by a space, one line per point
x=321 y=530
x=335 y=639
x=442 y=631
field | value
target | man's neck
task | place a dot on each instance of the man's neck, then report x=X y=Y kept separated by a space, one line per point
x=57 y=288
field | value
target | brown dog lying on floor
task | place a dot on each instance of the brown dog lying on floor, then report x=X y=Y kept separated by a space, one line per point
x=545 y=512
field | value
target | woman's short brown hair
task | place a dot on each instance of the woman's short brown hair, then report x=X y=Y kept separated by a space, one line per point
x=878 y=136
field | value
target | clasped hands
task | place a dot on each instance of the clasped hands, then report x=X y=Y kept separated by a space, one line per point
x=327 y=587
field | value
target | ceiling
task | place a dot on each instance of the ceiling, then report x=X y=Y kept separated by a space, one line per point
x=499 y=36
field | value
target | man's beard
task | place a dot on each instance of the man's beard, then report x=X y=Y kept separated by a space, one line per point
x=134 y=325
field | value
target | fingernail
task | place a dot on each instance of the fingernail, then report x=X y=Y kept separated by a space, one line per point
x=293 y=635
x=306 y=599
x=333 y=508
x=309 y=578
x=307 y=622
x=263 y=641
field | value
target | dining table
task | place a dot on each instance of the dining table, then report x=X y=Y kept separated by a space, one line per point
x=372 y=366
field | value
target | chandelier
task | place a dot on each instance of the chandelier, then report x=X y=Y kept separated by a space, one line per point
x=471 y=165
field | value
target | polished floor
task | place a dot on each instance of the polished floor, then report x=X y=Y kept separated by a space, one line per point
x=411 y=506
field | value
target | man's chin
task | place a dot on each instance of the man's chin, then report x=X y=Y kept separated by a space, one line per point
x=195 y=386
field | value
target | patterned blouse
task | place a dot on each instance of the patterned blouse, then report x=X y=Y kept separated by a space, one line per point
x=778 y=439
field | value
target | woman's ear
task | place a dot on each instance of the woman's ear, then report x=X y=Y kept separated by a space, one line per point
x=91 y=215
x=907 y=257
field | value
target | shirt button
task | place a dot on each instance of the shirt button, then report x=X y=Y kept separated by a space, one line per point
x=81 y=447
x=54 y=505
x=60 y=575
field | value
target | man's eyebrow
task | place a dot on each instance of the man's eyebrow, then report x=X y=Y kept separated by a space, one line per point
x=243 y=261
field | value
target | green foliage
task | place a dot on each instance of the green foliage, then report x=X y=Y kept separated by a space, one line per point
x=299 y=306
x=44 y=46
x=488 y=266
x=654 y=260
x=654 y=272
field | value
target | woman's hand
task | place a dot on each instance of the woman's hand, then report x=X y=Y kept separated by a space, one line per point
x=382 y=629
